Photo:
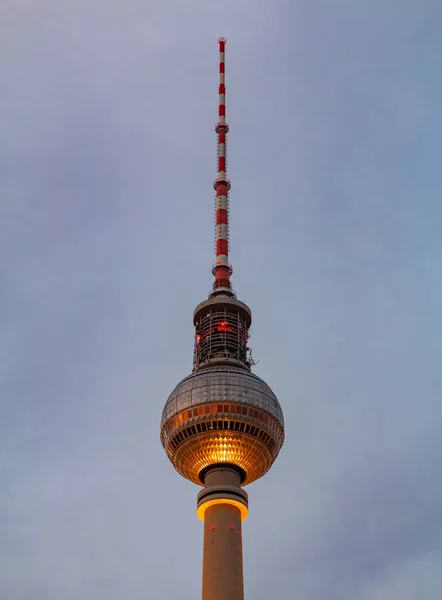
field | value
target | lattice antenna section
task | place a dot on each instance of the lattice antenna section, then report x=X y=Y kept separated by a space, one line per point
x=222 y=269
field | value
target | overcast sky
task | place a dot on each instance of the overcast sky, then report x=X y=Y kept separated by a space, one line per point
x=107 y=157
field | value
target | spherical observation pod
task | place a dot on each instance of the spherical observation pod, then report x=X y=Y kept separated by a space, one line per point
x=222 y=415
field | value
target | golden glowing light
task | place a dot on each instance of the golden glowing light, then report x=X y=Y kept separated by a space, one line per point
x=203 y=507
x=232 y=433
x=245 y=451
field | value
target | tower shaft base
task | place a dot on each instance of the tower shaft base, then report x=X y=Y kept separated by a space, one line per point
x=222 y=554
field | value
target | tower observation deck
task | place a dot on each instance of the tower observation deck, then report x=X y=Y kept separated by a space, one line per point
x=222 y=426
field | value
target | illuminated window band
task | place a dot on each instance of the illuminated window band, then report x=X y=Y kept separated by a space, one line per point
x=231 y=415
x=222 y=433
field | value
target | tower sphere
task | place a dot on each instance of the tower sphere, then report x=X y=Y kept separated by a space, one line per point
x=222 y=414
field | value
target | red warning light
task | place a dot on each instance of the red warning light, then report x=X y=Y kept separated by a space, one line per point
x=198 y=338
x=212 y=527
x=231 y=527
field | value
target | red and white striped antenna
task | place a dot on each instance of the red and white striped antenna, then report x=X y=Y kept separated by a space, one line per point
x=222 y=270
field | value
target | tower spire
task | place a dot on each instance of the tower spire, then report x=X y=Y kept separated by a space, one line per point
x=222 y=269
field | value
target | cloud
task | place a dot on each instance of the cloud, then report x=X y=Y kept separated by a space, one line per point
x=107 y=164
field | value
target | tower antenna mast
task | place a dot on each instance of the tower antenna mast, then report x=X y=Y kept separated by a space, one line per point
x=222 y=269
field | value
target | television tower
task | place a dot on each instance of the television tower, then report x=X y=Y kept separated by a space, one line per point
x=222 y=426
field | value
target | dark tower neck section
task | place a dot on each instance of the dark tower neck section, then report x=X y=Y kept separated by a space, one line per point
x=222 y=326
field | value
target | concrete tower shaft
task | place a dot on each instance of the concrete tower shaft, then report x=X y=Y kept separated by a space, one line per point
x=223 y=506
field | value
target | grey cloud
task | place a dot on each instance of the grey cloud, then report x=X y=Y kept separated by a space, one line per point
x=107 y=159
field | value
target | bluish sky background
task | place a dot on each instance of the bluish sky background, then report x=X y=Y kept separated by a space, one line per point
x=107 y=158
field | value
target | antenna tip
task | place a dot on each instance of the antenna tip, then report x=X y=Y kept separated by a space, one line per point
x=222 y=40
